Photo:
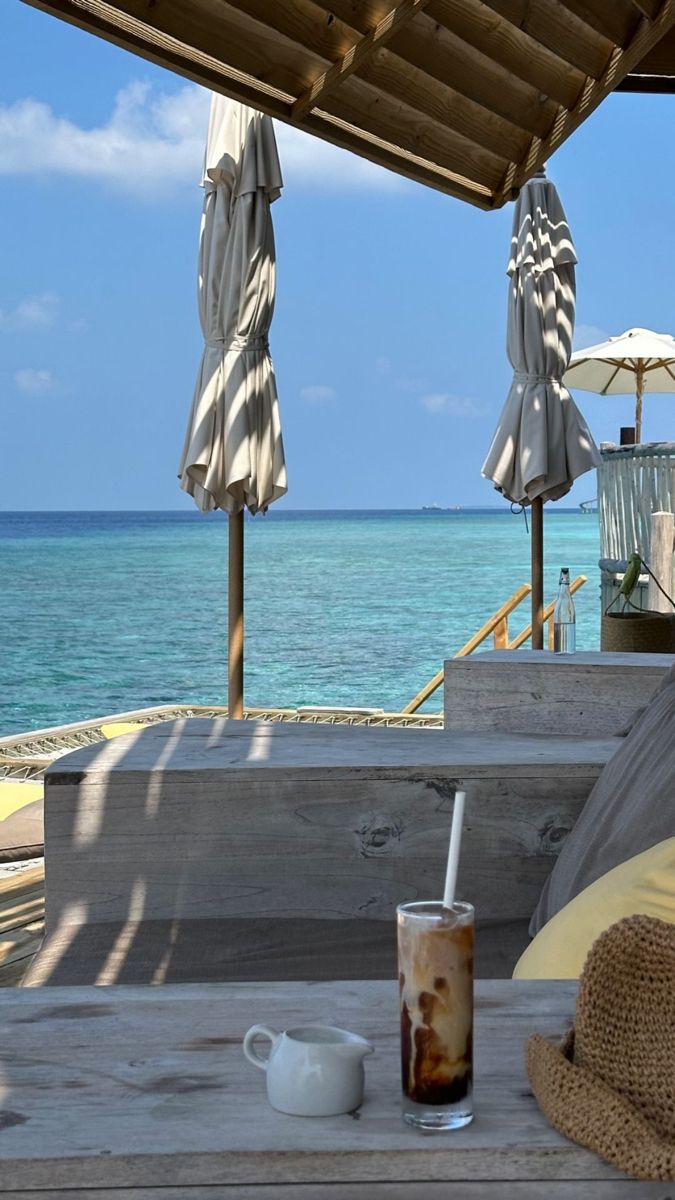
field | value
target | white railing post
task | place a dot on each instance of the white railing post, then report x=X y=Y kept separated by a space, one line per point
x=661 y=561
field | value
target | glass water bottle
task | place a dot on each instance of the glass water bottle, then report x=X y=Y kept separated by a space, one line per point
x=564 y=618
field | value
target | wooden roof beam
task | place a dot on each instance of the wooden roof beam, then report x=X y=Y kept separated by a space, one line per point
x=392 y=120
x=131 y=33
x=396 y=78
x=403 y=162
x=648 y=8
x=660 y=60
x=617 y=21
x=552 y=24
x=429 y=44
x=594 y=92
x=654 y=85
x=356 y=55
x=487 y=31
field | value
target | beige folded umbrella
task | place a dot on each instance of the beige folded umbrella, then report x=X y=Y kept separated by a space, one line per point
x=233 y=456
x=542 y=443
x=635 y=361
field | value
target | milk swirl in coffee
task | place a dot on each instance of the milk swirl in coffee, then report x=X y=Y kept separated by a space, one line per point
x=436 y=999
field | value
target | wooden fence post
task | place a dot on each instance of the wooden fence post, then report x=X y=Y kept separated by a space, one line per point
x=661 y=561
x=501 y=634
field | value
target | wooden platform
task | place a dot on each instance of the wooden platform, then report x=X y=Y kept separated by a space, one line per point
x=22 y=916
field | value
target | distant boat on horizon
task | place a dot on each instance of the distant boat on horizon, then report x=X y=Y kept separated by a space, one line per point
x=436 y=508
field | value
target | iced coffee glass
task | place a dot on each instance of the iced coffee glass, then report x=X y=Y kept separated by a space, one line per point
x=435 y=965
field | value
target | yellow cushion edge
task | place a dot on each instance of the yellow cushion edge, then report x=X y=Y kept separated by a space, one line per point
x=15 y=795
x=116 y=728
x=642 y=884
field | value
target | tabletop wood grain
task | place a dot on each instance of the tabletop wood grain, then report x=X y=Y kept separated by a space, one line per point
x=130 y=1091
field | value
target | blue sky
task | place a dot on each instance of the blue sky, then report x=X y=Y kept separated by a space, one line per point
x=388 y=338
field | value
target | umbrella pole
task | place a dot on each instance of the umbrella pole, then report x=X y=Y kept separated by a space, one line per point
x=537 y=551
x=639 y=389
x=235 y=616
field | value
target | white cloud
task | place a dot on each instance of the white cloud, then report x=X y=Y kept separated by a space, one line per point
x=34 y=382
x=152 y=145
x=148 y=144
x=32 y=314
x=589 y=335
x=454 y=406
x=318 y=393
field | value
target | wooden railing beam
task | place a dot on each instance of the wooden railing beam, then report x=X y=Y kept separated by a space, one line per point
x=498 y=626
x=547 y=615
x=489 y=627
x=501 y=634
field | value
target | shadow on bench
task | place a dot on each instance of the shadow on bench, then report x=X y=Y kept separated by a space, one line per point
x=204 y=850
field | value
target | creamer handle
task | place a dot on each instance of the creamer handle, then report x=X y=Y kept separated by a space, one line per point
x=250 y=1050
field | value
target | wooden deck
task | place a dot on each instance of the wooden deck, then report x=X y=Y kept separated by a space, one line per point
x=22 y=917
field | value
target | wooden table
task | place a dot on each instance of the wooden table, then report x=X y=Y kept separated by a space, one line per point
x=112 y=1093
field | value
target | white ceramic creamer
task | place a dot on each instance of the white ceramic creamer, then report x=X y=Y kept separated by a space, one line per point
x=312 y=1070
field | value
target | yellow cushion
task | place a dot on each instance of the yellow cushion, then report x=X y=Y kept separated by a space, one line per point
x=116 y=728
x=643 y=884
x=15 y=795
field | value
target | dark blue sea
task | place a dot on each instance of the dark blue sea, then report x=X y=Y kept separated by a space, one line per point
x=106 y=612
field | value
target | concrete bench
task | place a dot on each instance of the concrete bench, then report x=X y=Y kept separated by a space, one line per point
x=224 y=850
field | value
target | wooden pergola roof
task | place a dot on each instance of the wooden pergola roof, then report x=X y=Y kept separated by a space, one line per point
x=467 y=96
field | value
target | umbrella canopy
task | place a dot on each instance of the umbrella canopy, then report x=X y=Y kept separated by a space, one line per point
x=233 y=456
x=542 y=443
x=635 y=361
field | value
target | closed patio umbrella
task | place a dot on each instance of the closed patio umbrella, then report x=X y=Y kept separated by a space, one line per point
x=542 y=443
x=233 y=456
x=635 y=361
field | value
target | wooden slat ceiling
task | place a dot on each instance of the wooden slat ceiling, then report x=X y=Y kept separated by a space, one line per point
x=467 y=96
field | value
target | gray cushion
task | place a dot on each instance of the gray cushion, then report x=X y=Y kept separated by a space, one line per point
x=631 y=807
x=668 y=678
x=22 y=833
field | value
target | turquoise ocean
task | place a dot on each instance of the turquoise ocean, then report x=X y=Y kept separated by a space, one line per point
x=105 y=612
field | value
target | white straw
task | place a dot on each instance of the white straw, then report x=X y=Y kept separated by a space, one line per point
x=453 y=850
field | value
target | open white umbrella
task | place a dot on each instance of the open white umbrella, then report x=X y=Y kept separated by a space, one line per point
x=233 y=456
x=542 y=443
x=635 y=361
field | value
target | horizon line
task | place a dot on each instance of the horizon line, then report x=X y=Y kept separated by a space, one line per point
x=453 y=508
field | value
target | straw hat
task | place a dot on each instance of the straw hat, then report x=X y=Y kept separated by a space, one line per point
x=610 y=1085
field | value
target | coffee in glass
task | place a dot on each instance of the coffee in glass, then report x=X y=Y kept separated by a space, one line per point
x=435 y=955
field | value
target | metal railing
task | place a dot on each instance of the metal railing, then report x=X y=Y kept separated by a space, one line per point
x=498 y=628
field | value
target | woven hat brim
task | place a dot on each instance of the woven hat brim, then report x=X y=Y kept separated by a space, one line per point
x=582 y=1107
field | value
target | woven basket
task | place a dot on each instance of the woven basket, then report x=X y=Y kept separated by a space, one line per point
x=634 y=632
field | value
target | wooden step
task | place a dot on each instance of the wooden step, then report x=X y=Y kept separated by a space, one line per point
x=22 y=911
